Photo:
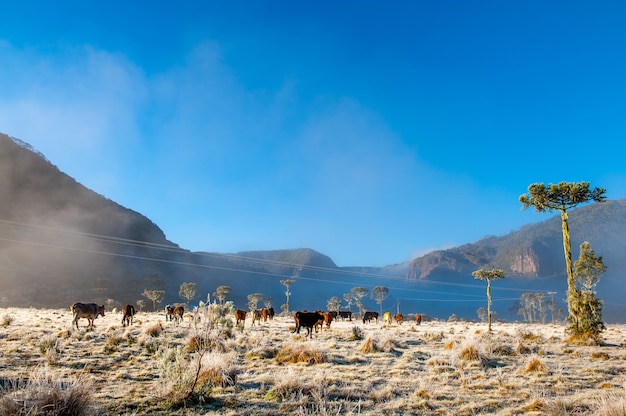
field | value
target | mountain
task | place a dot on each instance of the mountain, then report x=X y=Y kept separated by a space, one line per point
x=61 y=242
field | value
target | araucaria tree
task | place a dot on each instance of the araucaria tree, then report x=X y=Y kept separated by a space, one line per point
x=221 y=293
x=358 y=294
x=562 y=197
x=156 y=296
x=488 y=275
x=188 y=291
x=588 y=308
x=379 y=294
x=287 y=283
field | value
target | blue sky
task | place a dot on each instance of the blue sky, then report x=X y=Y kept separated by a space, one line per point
x=372 y=132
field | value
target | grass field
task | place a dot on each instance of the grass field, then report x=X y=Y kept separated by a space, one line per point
x=437 y=368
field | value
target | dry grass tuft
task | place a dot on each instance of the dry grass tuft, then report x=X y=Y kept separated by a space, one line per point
x=301 y=353
x=155 y=330
x=47 y=395
x=469 y=353
x=368 y=346
x=600 y=355
x=535 y=365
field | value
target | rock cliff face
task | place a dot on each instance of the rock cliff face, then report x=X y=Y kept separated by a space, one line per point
x=535 y=251
x=526 y=263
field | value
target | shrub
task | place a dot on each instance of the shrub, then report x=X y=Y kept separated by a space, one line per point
x=155 y=330
x=6 y=320
x=44 y=394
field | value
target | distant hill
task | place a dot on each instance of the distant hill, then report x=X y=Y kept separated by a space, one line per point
x=61 y=242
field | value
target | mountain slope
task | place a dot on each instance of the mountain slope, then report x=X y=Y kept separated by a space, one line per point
x=61 y=242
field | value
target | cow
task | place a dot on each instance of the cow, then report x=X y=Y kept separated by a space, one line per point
x=178 y=313
x=89 y=311
x=307 y=320
x=418 y=319
x=129 y=312
x=328 y=318
x=264 y=314
x=345 y=314
x=240 y=316
x=270 y=313
x=387 y=318
x=368 y=316
x=399 y=318
x=256 y=316
x=169 y=313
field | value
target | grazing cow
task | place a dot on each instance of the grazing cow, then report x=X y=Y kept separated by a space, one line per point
x=307 y=320
x=129 y=312
x=264 y=314
x=270 y=313
x=399 y=318
x=89 y=311
x=418 y=319
x=179 y=311
x=240 y=316
x=169 y=313
x=387 y=318
x=368 y=316
x=328 y=318
x=345 y=314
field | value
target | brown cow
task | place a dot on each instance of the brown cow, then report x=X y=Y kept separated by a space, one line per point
x=328 y=318
x=256 y=316
x=179 y=311
x=89 y=311
x=240 y=316
x=418 y=319
x=399 y=318
x=264 y=314
x=129 y=312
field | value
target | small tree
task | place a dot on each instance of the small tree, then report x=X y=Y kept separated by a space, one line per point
x=562 y=197
x=287 y=283
x=221 y=293
x=141 y=304
x=188 y=291
x=359 y=293
x=379 y=294
x=253 y=300
x=333 y=304
x=349 y=298
x=588 y=308
x=488 y=275
x=482 y=314
x=156 y=296
x=267 y=302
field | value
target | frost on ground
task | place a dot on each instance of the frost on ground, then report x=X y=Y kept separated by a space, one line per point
x=436 y=368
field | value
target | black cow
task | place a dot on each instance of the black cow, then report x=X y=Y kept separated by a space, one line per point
x=270 y=312
x=368 y=316
x=307 y=320
x=90 y=311
x=345 y=314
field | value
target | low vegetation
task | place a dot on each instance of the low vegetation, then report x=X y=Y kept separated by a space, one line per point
x=156 y=367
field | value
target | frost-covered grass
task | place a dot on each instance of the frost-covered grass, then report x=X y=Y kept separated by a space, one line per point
x=160 y=368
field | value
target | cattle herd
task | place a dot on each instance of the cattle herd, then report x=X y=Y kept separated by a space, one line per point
x=309 y=320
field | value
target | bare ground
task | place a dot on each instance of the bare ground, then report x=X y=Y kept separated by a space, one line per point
x=437 y=368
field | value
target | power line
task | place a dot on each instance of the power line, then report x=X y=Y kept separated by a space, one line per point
x=56 y=232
